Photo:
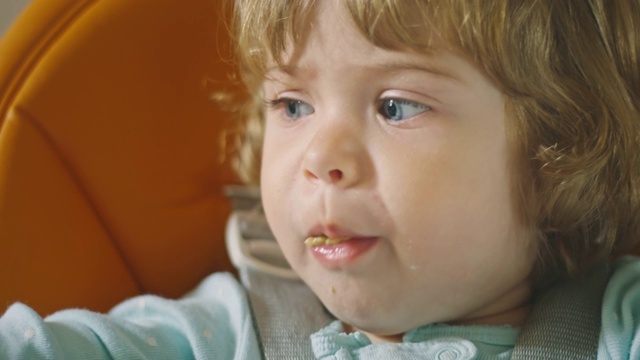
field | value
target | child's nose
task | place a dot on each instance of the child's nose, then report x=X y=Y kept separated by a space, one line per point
x=336 y=157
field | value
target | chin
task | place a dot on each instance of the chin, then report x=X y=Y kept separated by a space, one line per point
x=370 y=319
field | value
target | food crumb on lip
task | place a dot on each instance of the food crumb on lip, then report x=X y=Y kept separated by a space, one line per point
x=312 y=241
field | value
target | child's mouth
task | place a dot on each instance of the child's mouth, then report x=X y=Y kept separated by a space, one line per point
x=322 y=240
x=339 y=251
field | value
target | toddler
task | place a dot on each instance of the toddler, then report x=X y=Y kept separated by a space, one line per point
x=428 y=168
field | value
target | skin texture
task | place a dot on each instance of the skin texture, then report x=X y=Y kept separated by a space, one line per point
x=427 y=194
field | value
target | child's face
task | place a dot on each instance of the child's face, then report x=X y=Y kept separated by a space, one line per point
x=407 y=155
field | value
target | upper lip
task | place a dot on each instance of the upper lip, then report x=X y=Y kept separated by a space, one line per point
x=334 y=231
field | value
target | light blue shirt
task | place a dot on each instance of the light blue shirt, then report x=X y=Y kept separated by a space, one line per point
x=214 y=322
x=620 y=334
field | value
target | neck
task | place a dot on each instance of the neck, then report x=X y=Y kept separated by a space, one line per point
x=514 y=317
x=374 y=338
x=512 y=309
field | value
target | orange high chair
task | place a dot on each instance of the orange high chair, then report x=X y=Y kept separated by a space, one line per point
x=111 y=156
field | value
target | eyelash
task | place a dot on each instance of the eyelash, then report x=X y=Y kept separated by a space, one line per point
x=419 y=108
x=398 y=103
x=283 y=102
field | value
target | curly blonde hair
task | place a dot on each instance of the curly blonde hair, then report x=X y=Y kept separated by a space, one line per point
x=570 y=74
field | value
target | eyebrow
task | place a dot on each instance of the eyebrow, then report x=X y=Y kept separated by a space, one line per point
x=417 y=66
x=294 y=71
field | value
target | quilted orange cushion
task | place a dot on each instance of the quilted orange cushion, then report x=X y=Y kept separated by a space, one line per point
x=111 y=157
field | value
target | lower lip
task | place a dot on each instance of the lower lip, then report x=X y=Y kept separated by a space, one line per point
x=342 y=253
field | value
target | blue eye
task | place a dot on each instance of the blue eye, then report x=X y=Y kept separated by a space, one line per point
x=292 y=108
x=399 y=109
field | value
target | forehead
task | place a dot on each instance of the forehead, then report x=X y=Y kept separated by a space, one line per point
x=333 y=35
x=406 y=25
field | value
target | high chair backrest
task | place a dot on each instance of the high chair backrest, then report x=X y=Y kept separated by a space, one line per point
x=111 y=163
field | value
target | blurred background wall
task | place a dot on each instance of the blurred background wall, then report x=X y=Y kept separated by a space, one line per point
x=9 y=9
